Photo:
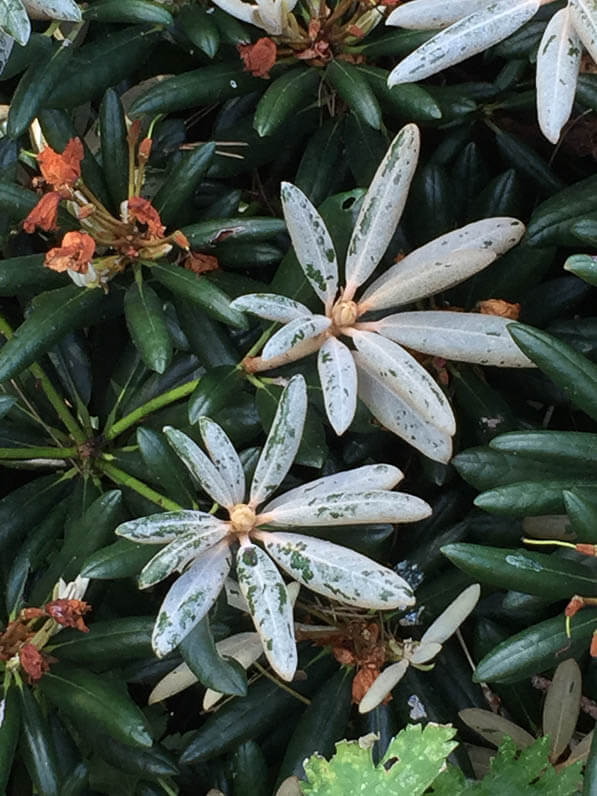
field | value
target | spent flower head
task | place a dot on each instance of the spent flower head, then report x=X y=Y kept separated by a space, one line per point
x=201 y=545
x=468 y=27
x=398 y=391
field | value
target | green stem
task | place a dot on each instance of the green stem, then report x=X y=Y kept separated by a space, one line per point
x=158 y=402
x=124 y=479
x=38 y=453
x=51 y=393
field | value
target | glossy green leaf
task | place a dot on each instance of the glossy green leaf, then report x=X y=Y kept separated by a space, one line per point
x=10 y=724
x=250 y=771
x=355 y=91
x=128 y=11
x=36 y=745
x=214 y=671
x=181 y=181
x=147 y=326
x=583 y=266
x=24 y=507
x=198 y=25
x=285 y=95
x=114 y=147
x=166 y=470
x=527 y=498
x=581 y=507
x=122 y=559
x=110 y=641
x=552 y=220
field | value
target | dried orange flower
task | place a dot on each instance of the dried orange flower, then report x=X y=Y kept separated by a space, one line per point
x=75 y=253
x=499 y=307
x=61 y=171
x=33 y=662
x=69 y=613
x=259 y=58
x=144 y=212
x=200 y=263
x=45 y=213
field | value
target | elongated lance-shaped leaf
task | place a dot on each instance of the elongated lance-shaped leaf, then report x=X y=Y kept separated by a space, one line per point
x=402 y=374
x=245 y=648
x=270 y=607
x=454 y=615
x=495 y=235
x=312 y=243
x=174 y=682
x=360 y=479
x=467 y=37
x=224 y=457
x=338 y=377
x=397 y=416
x=14 y=21
x=381 y=209
x=201 y=467
x=562 y=706
x=190 y=597
x=350 y=507
x=293 y=334
x=461 y=336
x=493 y=727
x=338 y=573
x=382 y=685
x=584 y=18
x=175 y=556
x=429 y=14
x=160 y=528
x=425 y=652
x=271 y=306
x=282 y=441
x=66 y=10
x=558 y=62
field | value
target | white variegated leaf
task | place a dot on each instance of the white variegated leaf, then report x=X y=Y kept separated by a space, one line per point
x=14 y=21
x=496 y=235
x=312 y=243
x=66 y=10
x=347 y=508
x=338 y=377
x=270 y=607
x=338 y=573
x=584 y=19
x=360 y=479
x=489 y=25
x=558 y=62
x=403 y=375
x=562 y=706
x=425 y=652
x=282 y=441
x=271 y=306
x=201 y=467
x=189 y=599
x=381 y=209
x=233 y=596
x=174 y=682
x=293 y=334
x=382 y=686
x=494 y=728
x=397 y=416
x=245 y=648
x=431 y=14
x=166 y=526
x=460 y=336
x=239 y=9
x=176 y=555
x=6 y=45
x=453 y=616
x=224 y=457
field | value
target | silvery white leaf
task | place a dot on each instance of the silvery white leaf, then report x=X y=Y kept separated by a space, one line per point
x=493 y=727
x=432 y=15
x=166 y=526
x=338 y=377
x=66 y=10
x=312 y=243
x=189 y=599
x=239 y=9
x=460 y=336
x=233 y=596
x=558 y=62
x=293 y=334
x=349 y=507
x=338 y=573
x=360 y=479
x=496 y=235
x=201 y=467
x=425 y=652
x=562 y=706
x=271 y=306
x=176 y=555
x=245 y=648
x=404 y=376
x=14 y=21
x=6 y=45
x=469 y=36
x=382 y=686
x=174 y=682
x=381 y=209
x=270 y=607
x=224 y=457
x=400 y=288
x=282 y=441
x=453 y=616
x=584 y=18
x=398 y=416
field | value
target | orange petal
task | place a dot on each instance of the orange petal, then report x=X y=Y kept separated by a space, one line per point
x=75 y=253
x=144 y=212
x=259 y=58
x=60 y=170
x=69 y=613
x=500 y=307
x=44 y=214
